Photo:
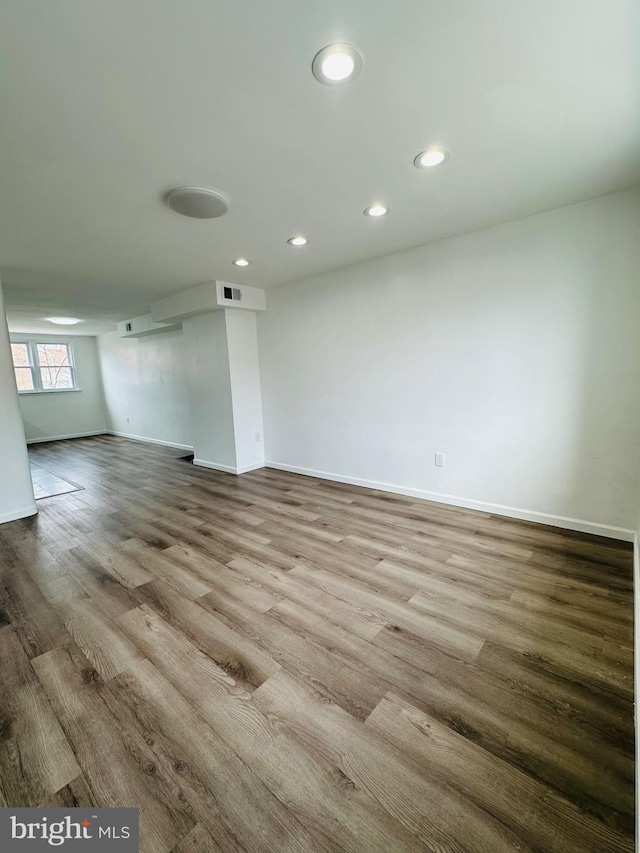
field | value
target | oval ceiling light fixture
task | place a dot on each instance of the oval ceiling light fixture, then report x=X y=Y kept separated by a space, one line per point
x=63 y=321
x=198 y=202
x=297 y=241
x=241 y=262
x=431 y=157
x=337 y=64
x=376 y=210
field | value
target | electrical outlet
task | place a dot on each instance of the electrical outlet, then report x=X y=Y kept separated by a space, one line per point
x=439 y=460
x=127 y=420
x=257 y=436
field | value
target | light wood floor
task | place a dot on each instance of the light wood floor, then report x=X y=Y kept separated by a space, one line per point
x=276 y=663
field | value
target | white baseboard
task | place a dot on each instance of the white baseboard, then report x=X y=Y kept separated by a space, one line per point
x=63 y=437
x=246 y=468
x=466 y=503
x=25 y=512
x=228 y=469
x=148 y=440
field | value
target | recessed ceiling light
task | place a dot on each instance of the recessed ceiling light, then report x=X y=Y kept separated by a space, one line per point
x=376 y=210
x=297 y=241
x=241 y=262
x=198 y=202
x=431 y=157
x=63 y=321
x=336 y=64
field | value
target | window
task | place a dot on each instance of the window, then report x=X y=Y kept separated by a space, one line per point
x=43 y=366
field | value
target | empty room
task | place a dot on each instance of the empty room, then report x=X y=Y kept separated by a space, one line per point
x=319 y=425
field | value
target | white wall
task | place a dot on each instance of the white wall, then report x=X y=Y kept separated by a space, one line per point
x=246 y=392
x=16 y=491
x=145 y=387
x=224 y=380
x=513 y=350
x=210 y=390
x=67 y=414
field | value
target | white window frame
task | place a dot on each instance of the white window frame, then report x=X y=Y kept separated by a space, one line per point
x=32 y=350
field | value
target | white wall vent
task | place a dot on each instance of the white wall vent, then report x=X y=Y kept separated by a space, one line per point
x=211 y=296
x=140 y=327
x=233 y=293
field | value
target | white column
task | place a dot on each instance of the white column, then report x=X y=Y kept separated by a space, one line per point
x=246 y=391
x=16 y=489
x=224 y=390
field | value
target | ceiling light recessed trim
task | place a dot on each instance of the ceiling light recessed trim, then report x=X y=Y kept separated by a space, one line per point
x=198 y=202
x=241 y=262
x=63 y=321
x=337 y=64
x=431 y=157
x=297 y=241
x=375 y=211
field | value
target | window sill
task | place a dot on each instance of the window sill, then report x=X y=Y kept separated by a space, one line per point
x=51 y=391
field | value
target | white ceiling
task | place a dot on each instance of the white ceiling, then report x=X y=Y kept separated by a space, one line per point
x=107 y=104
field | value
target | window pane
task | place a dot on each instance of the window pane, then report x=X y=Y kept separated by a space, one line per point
x=56 y=377
x=20 y=353
x=53 y=355
x=24 y=378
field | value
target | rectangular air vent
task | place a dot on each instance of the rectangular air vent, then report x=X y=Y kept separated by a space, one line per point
x=233 y=293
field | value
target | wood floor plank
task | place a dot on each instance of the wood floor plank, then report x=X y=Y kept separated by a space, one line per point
x=424 y=809
x=32 y=617
x=197 y=841
x=76 y=795
x=590 y=706
x=119 y=565
x=495 y=713
x=430 y=567
x=223 y=793
x=244 y=661
x=104 y=590
x=613 y=627
x=578 y=650
x=219 y=577
x=217 y=696
x=96 y=635
x=160 y=564
x=113 y=768
x=516 y=799
x=39 y=562
x=347 y=685
x=273 y=661
x=458 y=641
x=36 y=759
x=362 y=622
x=339 y=812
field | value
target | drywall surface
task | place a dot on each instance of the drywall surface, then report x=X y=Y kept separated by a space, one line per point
x=205 y=339
x=67 y=414
x=513 y=350
x=246 y=395
x=16 y=491
x=146 y=388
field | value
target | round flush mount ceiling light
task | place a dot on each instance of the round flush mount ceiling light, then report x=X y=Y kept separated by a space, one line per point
x=63 y=321
x=431 y=157
x=198 y=202
x=376 y=210
x=336 y=64
x=241 y=262
x=297 y=241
